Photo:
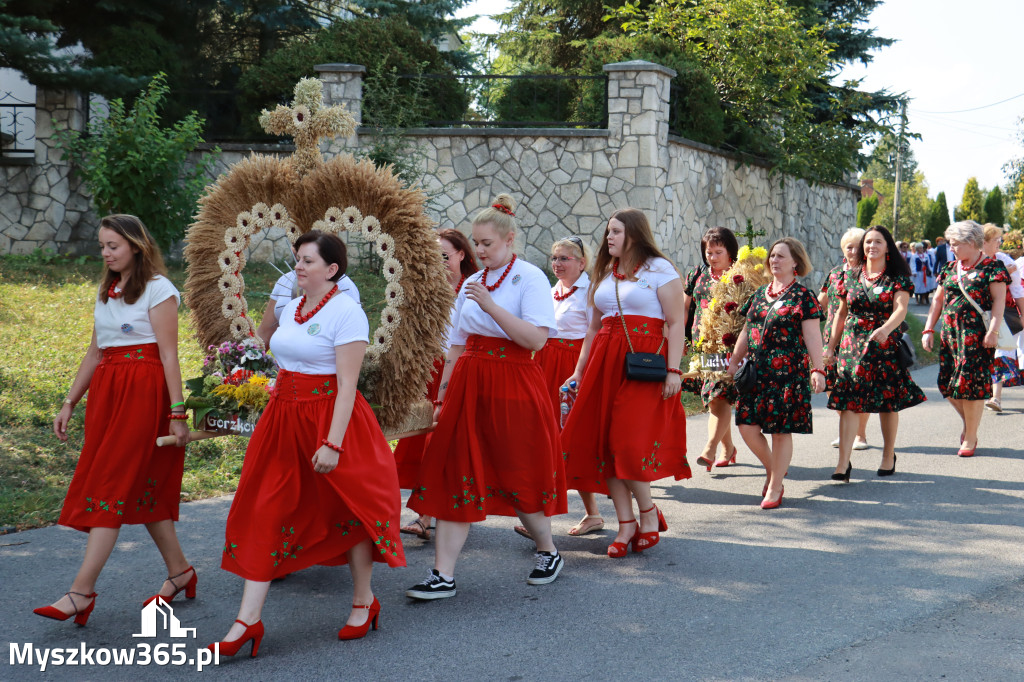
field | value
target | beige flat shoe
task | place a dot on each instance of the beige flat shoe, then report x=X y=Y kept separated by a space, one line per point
x=589 y=524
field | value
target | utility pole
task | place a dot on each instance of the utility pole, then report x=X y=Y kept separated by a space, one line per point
x=899 y=169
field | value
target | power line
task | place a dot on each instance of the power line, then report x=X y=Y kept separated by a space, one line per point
x=964 y=111
x=930 y=117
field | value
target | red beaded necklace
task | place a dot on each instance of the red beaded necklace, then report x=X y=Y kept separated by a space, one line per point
x=483 y=280
x=872 y=278
x=561 y=297
x=717 y=275
x=302 y=319
x=615 y=270
x=112 y=291
x=458 y=287
x=780 y=292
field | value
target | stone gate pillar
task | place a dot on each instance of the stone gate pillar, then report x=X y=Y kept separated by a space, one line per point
x=343 y=85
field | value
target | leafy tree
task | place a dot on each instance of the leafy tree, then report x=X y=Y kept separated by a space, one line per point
x=133 y=164
x=1017 y=213
x=938 y=218
x=432 y=18
x=915 y=207
x=27 y=44
x=881 y=163
x=866 y=209
x=993 y=209
x=970 y=207
x=359 y=41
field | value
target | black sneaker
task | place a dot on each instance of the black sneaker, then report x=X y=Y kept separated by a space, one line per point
x=434 y=587
x=547 y=569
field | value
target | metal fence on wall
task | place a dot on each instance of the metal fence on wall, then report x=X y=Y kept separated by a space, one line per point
x=17 y=129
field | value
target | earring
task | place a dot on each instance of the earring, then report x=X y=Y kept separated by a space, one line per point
x=886 y=255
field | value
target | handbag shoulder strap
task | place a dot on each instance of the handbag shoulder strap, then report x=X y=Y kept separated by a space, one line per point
x=622 y=318
x=960 y=283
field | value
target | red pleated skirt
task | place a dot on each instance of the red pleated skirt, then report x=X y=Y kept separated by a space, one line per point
x=286 y=517
x=557 y=360
x=620 y=428
x=409 y=452
x=495 y=449
x=122 y=476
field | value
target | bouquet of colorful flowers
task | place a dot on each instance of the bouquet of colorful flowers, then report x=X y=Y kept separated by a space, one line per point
x=235 y=386
x=721 y=323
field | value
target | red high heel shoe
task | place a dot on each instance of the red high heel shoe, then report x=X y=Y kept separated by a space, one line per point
x=642 y=541
x=81 y=617
x=359 y=631
x=706 y=462
x=765 y=504
x=617 y=550
x=189 y=587
x=727 y=462
x=252 y=632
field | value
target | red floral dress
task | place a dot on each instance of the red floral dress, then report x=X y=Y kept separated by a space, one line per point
x=699 y=287
x=782 y=401
x=869 y=377
x=831 y=291
x=965 y=365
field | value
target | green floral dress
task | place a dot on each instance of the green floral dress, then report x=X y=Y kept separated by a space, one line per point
x=869 y=377
x=698 y=287
x=831 y=291
x=965 y=365
x=782 y=401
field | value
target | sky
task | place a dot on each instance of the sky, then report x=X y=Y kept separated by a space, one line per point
x=951 y=55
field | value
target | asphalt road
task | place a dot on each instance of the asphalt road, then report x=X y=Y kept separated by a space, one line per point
x=915 y=577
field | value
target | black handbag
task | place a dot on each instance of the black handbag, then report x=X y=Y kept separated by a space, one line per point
x=641 y=366
x=905 y=354
x=746 y=377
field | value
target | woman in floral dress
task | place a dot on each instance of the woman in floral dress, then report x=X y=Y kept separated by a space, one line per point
x=783 y=356
x=873 y=302
x=718 y=250
x=828 y=298
x=967 y=347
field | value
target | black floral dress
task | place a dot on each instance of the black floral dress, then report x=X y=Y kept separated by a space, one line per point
x=831 y=291
x=699 y=286
x=782 y=401
x=869 y=377
x=965 y=365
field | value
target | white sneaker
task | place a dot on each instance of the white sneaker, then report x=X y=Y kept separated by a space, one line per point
x=835 y=443
x=859 y=444
x=994 y=405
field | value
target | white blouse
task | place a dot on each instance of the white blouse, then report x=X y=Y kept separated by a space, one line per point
x=309 y=347
x=572 y=315
x=121 y=324
x=525 y=293
x=639 y=297
x=285 y=288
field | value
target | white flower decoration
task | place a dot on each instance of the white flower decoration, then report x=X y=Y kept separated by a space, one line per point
x=392 y=269
x=394 y=295
x=301 y=116
x=371 y=228
x=234 y=239
x=278 y=214
x=240 y=327
x=385 y=246
x=245 y=224
x=351 y=218
x=261 y=215
x=232 y=307
x=229 y=262
x=229 y=284
x=390 y=318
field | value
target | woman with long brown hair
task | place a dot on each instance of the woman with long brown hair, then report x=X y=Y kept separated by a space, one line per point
x=459 y=263
x=131 y=373
x=622 y=434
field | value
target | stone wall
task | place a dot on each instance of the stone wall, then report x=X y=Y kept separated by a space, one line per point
x=566 y=181
x=42 y=205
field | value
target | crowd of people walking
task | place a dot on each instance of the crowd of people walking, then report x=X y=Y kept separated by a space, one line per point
x=321 y=486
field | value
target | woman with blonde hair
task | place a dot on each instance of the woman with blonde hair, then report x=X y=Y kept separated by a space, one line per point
x=558 y=357
x=828 y=298
x=783 y=334
x=969 y=285
x=495 y=448
x=622 y=433
x=131 y=374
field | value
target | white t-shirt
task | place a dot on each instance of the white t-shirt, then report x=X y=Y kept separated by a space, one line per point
x=309 y=347
x=1016 y=290
x=525 y=293
x=284 y=290
x=572 y=315
x=120 y=324
x=639 y=297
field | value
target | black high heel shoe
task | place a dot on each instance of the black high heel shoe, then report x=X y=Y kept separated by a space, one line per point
x=889 y=472
x=845 y=478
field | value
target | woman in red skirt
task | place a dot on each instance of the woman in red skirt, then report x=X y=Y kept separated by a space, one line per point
x=318 y=486
x=131 y=374
x=646 y=440
x=459 y=261
x=558 y=357
x=495 y=448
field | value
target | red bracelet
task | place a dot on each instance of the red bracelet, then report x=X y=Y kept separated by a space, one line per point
x=332 y=446
x=676 y=370
x=927 y=331
x=437 y=403
x=180 y=417
x=819 y=371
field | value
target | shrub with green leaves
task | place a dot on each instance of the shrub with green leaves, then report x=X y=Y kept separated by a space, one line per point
x=133 y=164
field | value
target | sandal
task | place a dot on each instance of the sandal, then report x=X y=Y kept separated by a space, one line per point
x=589 y=524
x=522 y=531
x=417 y=528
